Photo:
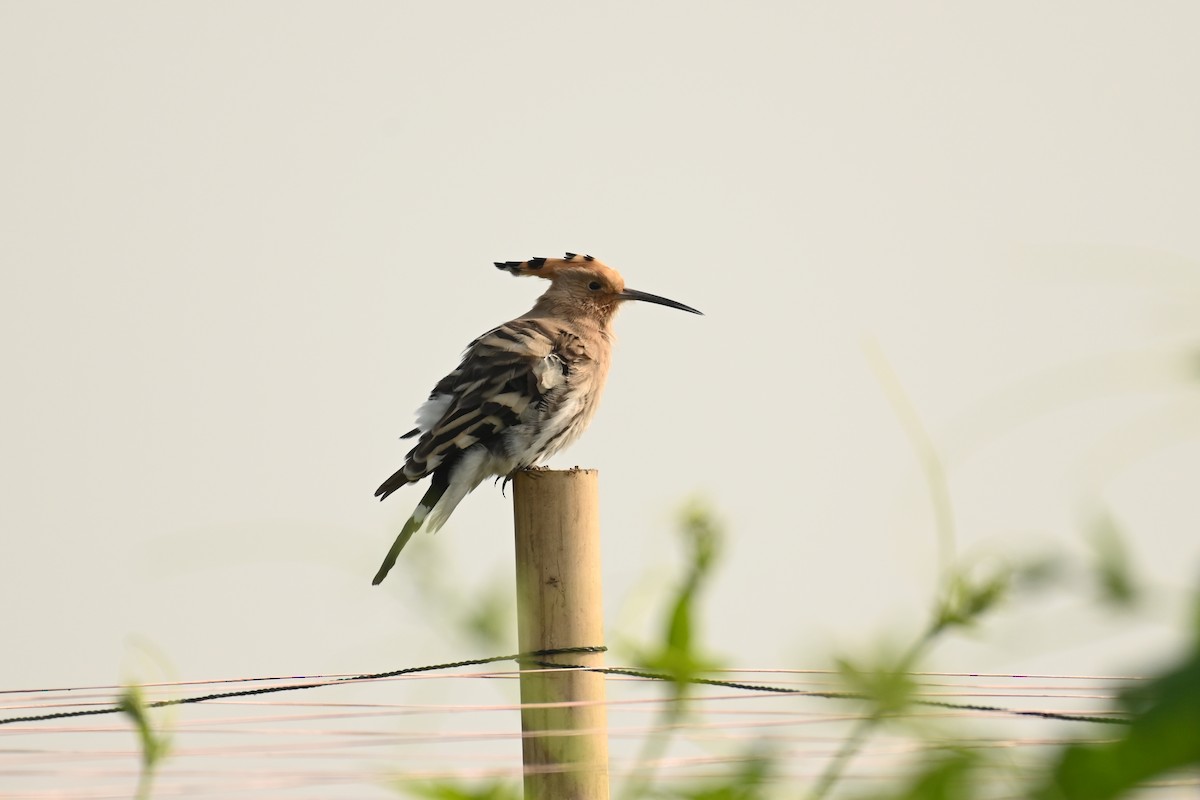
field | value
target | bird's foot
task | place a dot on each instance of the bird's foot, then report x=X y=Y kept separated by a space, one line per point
x=505 y=480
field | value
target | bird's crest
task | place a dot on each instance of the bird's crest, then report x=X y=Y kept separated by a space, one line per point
x=580 y=286
x=549 y=268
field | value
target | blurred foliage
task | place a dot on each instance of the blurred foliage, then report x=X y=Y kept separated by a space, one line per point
x=886 y=685
x=965 y=598
x=1163 y=737
x=930 y=460
x=678 y=654
x=1113 y=563
x=450 y=790
x=154 y=745
x=945 y=775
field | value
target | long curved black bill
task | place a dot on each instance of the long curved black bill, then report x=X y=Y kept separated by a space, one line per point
x=634 y=294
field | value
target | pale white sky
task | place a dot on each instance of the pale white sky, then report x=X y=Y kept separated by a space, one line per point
x=241 y=241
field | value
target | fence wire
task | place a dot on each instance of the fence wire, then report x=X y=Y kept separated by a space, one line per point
x=376 y=735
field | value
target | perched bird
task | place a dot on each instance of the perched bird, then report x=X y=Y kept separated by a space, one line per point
x=522 y=392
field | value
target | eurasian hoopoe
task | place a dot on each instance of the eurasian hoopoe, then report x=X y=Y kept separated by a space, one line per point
x=522 y=392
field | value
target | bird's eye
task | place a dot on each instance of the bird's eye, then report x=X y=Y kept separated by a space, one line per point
x=594 y=286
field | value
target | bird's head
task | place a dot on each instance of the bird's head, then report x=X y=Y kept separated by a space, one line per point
x=582 y=285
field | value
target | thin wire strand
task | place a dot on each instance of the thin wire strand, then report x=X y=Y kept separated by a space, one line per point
x=620 y=672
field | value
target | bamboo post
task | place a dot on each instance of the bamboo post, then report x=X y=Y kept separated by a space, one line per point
x=557 y=520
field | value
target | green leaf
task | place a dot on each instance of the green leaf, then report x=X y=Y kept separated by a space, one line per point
x=1163 y=736
x=965 y=599
x=679 y=655
x=154 y=746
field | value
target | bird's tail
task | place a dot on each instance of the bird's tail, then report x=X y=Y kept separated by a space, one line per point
x=393 y=483
x=413 y=524
x=446 y=492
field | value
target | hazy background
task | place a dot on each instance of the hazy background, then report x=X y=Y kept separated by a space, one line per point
x=241 y=241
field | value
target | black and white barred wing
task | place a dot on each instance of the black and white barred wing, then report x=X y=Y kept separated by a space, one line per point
x=508 y=376
x=492 y=415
